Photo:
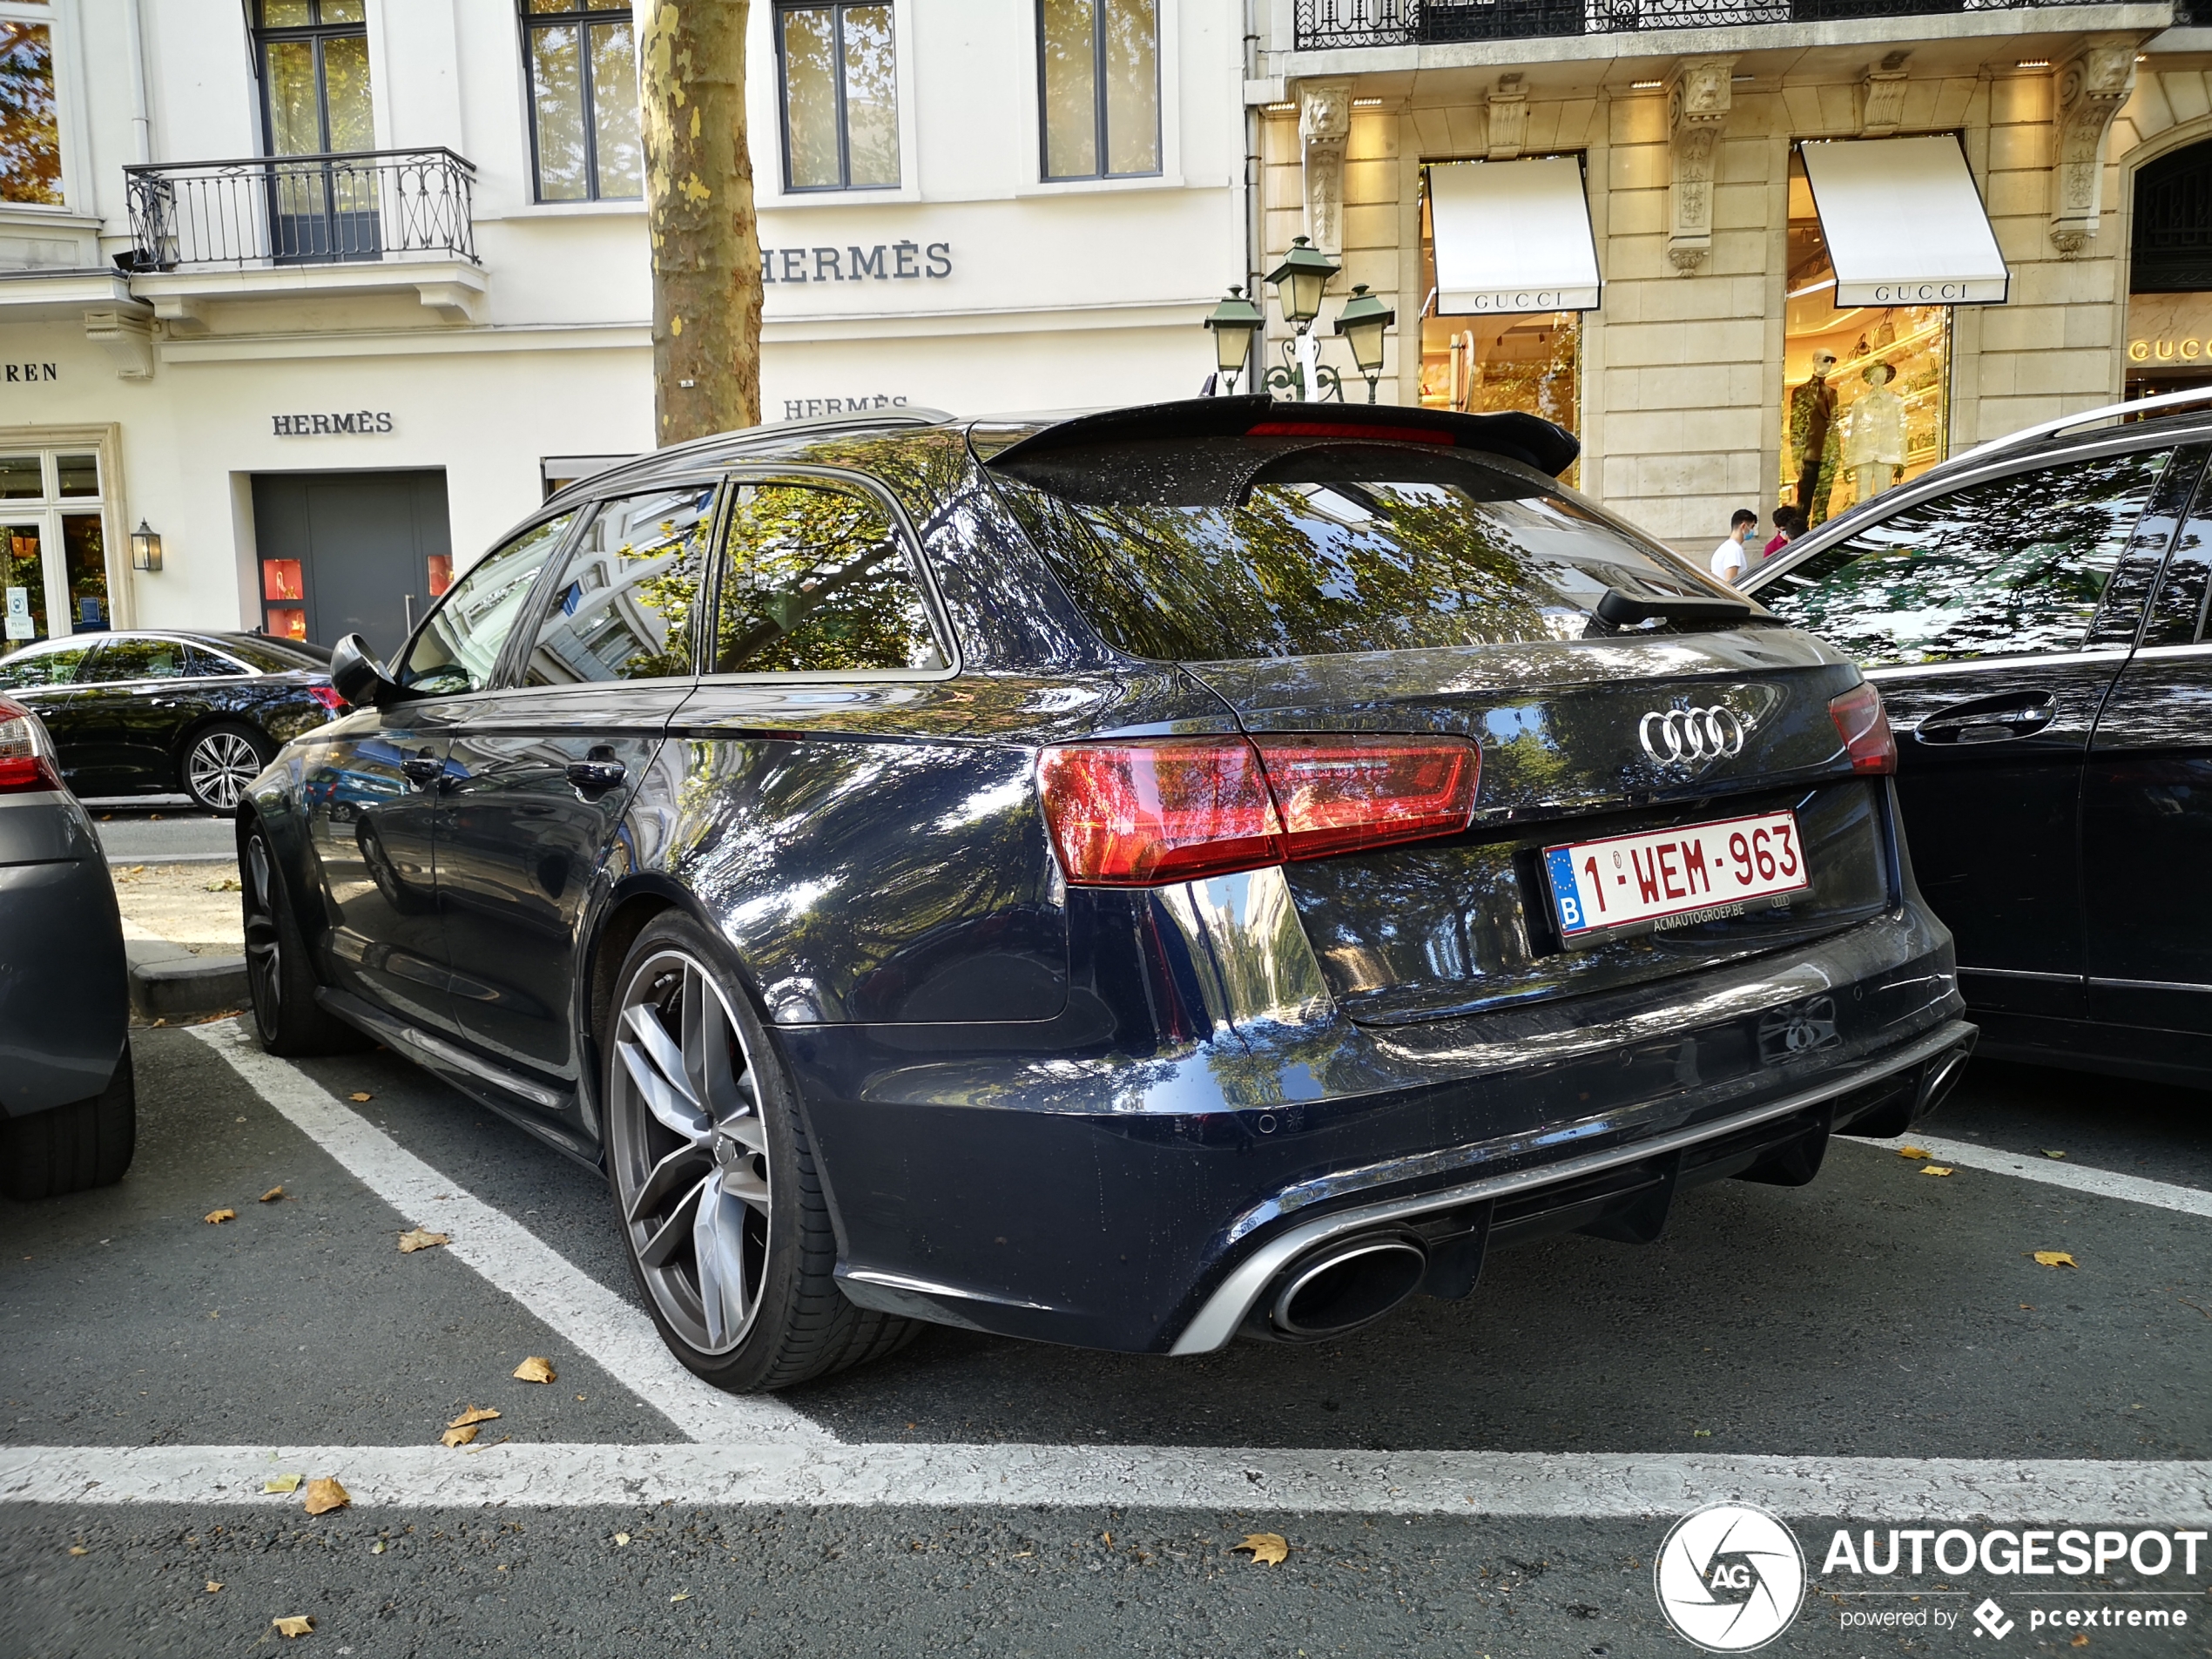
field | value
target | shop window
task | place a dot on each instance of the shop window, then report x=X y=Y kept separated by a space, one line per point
x=841 y=96
x=1098 y=75
x=1531 y=361
x=1866 y=389
x=283 y=611
x=30 y=146
x=582 y=56
x=2169 y=302
x=56 y=577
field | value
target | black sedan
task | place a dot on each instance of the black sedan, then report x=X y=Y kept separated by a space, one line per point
x=2035 y=614
x=153 y=713
x=1127 y=881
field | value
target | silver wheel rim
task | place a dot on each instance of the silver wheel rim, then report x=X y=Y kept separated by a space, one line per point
x=690 y=1152
x=222 y=765
x=263 y=963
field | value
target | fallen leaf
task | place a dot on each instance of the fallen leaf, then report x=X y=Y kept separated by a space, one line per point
x=213 y=1585
x=1268 y=1546
x=459 y=1436
x=1700 y=1434
x=296 y=1627
x=621 y=1539
x=217 y=1217
x=228 y=884
x=359 y=1094
x=2055 y=1258
x=78 y=1549
x=421 y=1238
x=282 y=1483
x=536 y=1369
x=1912 y=1151
x=325 y=1494
x=682 y=1596
x=376 y=1548
x=272 y=1195
x=1935 y=1169
x=2082 y=1641
x=2048 y=1153
x=474 y=1414
x=2027 y=1307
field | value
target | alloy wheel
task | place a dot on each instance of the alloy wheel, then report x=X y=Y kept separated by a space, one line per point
x=264 y=961
x=691 y=1151
x=220 y=766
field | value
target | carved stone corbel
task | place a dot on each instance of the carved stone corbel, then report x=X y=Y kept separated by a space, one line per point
x=1881 y=103
x=127 y=336
x=1323 y=124
x=1508 y=118
x=1698 y=100
x=2091 y=85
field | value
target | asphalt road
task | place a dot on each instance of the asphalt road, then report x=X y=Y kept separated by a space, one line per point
x=1878 y=1324
x=163 y=829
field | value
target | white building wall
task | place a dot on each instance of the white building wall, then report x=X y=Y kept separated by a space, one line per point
x=1053 y=295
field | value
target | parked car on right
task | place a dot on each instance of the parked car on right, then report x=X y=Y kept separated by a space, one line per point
x=2033 y=612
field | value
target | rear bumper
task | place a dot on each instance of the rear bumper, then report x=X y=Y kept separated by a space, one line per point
x=65 y=987
x=1048 y=1188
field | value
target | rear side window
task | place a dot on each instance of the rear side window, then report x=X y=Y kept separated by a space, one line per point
x=816 y=580
x=622 y=608
x=1256 y=547
x=137 y=659
x=2008 y=566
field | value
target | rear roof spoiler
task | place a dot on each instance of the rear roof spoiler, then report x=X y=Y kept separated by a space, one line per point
x=1526 y=438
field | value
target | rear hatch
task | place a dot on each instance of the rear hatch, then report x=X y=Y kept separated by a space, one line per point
x=1349 y=585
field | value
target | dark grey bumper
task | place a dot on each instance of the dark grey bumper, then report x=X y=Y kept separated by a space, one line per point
x=64 y=986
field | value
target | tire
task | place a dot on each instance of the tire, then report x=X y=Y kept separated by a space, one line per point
x=74 y=1147
x=220 y=761
x=765 y=1313
x=279 y=978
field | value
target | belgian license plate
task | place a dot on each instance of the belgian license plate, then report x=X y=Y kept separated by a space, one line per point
x=1675 y=878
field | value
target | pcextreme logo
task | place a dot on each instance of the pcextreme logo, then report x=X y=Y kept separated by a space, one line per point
x=1729 y=1578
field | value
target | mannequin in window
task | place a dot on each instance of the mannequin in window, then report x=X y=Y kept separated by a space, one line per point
x=1874 y=447
x=1813 y=438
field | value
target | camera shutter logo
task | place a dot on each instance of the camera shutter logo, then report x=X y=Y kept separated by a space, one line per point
x=1673 y=736
x=1729 y=1578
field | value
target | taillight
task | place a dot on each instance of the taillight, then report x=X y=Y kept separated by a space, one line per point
x=1864 y=727
x=1134 y=814
x=26 y=752
x=328 y=696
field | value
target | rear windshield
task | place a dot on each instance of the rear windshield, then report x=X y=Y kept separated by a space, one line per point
x=1259 y=546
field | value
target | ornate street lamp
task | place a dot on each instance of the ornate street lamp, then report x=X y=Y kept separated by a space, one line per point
x=1299 y=281
x=1236 y=323
x=1362 y=323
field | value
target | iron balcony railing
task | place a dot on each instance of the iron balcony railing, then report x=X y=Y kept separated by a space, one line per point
x=1324 y=24
x=266 y=210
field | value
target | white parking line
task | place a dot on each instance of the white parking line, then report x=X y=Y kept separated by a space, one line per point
x=617 y=1336
x=2056 y=1172
x=1464 y=1483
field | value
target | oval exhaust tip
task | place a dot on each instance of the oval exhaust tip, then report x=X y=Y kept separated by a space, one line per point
x=1346 y=1286
x=1943 y=1077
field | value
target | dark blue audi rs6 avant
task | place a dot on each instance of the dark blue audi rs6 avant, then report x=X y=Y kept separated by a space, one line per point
x=1131 y=880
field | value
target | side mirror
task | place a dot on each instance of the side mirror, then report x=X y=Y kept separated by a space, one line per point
x=360 y=680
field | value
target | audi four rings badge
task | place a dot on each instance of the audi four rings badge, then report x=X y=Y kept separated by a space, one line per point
x=1671 y=735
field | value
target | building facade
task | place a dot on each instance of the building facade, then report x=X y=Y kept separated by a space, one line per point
x=327 y=293
x=1755 y=252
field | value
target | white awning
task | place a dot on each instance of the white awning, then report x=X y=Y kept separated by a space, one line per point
x=1904 y=222
x=1511 y=236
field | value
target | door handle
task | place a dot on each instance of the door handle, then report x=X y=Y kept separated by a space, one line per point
x=424 y=769
x=598 y=773
x=1989 y=720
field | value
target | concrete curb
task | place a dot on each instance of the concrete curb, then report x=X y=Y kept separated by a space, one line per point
x=180 y=986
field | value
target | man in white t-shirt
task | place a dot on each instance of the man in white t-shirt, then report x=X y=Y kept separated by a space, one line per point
x=1730 y=558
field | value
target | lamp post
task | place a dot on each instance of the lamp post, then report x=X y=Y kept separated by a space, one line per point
x=1236 y=323
x=1300 y=281
x=1362 y=324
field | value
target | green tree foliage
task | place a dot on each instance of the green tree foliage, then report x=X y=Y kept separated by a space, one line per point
x=30 y=150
